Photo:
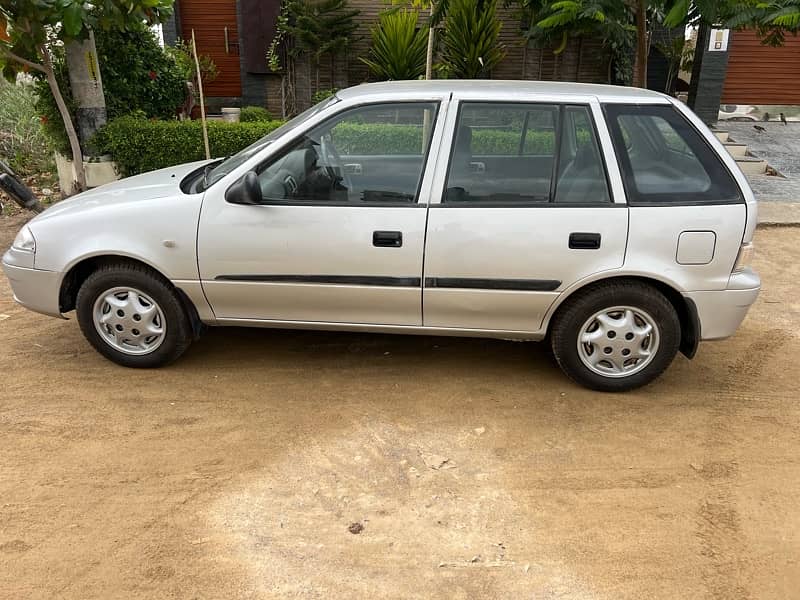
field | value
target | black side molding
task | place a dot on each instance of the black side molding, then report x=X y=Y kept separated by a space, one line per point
x=521 y=285
x=326 y=279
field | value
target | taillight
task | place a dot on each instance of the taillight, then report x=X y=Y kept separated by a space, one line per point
x=746 y=252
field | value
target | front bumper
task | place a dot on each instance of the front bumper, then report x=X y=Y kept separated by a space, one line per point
x=721 y=312
x=35 y=289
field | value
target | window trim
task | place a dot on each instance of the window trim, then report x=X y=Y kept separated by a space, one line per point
x=551 y=203
x=632 y=195
x=415 y=203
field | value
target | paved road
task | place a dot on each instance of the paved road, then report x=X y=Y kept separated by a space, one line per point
x=474 y=467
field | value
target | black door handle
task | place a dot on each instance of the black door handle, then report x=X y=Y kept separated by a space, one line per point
x=387 y=239
x=584 y=241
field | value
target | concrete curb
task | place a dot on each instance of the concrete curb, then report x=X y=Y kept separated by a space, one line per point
x=772 y=214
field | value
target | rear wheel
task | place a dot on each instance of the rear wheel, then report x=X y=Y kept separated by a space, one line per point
x=616 y=336
x=133 y=316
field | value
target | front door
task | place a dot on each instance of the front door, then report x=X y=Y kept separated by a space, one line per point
x=526 y=211
x=339 y=236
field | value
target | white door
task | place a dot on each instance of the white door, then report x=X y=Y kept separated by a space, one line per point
x=525 y=212
x=339 y=235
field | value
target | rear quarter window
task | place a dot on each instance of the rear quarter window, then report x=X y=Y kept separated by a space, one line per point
x=665 y=160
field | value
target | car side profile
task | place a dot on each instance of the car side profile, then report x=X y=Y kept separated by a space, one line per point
x=609 y=221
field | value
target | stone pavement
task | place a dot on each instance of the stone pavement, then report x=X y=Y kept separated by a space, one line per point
x=779 y=145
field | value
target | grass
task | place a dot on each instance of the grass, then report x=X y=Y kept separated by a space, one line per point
x=23 y=143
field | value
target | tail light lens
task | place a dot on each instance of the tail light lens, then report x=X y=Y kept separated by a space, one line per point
x=746 y=252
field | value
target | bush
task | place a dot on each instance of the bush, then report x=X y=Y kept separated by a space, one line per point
x=366 y=139
x=23 y=142
x=138 y=76
x=399 y=47
x=256 y=114
x=138 y=145
x=357 y=139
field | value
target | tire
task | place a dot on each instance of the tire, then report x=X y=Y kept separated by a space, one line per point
x=615 y=316
x=133 y=316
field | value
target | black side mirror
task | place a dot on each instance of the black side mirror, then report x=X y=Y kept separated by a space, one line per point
x=245 y=191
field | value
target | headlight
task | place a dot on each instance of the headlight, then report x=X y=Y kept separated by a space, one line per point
x=24 y=240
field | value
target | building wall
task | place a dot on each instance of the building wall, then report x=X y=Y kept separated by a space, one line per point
x=759 y=74
x=583 y=59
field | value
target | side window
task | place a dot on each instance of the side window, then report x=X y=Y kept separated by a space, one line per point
x=502 y=153
x=665 y=160
x=373 y=153
x=582 y=176
x=525 y=154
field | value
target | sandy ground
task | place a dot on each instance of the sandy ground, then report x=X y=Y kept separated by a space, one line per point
x=475 y=469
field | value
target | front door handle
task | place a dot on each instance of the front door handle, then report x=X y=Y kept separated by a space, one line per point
x=387 y=239
x=584 y=241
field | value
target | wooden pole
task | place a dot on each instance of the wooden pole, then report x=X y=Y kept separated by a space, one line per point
x=202 y=99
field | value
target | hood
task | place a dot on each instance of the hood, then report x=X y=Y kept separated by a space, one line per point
x=163 y=183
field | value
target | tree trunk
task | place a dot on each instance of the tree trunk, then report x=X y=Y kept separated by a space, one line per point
x=72 y=135
x=640 y=77
x=87 y=88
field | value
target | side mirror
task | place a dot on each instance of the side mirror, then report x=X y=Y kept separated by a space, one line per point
x=245 y=191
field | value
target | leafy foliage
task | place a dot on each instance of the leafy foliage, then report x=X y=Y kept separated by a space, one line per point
x=321 y=95
x=138 y=76
x=30 y=25
x=772 y=20
x=139 y=145
x=254 y=114
x=22 y=141
x=399 y=48
x=553 y=22
x=181 y=53
x=471 y=48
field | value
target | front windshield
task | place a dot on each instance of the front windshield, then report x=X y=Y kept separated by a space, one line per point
x=229 y=164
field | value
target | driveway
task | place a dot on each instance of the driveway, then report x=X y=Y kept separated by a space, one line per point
x=271 y=464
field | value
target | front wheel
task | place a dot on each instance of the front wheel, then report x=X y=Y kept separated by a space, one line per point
x=133 y=316
x=616 y=336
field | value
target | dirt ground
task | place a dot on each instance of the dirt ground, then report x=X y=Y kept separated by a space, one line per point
x=475 y=469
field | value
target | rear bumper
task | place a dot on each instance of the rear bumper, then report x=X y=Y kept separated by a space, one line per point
x=721 y=312
x=35 y=289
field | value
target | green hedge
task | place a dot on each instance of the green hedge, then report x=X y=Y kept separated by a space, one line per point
x=138 y=145
x=250 y=114
x=366 y=139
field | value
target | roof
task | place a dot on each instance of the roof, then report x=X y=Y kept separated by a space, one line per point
x=501 y=88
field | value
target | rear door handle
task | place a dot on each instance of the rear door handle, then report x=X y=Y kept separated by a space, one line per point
x=387 y=239
x=584 y=241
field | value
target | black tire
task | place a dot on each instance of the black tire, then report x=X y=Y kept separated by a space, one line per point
x=577 y=310
x=178 y=335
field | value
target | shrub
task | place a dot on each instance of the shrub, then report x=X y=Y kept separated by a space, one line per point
x=252 y=114
x=138 y=75
x=322 y=95
x=399 y=48
x=138 y=145
x=471 y=49
x=23 y=142
x=366 y=139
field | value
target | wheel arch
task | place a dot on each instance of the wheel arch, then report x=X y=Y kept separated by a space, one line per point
x=81 y=269
x=684 y=307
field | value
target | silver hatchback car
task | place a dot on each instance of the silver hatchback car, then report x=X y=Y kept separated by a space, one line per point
x=607 y=220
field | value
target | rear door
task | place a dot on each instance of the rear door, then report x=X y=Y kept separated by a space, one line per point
x=526 y=209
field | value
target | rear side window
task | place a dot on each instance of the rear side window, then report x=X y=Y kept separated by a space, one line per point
x=664 y=160
x=525 y=155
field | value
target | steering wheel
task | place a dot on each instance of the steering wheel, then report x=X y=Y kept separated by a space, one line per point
x=332 y=158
